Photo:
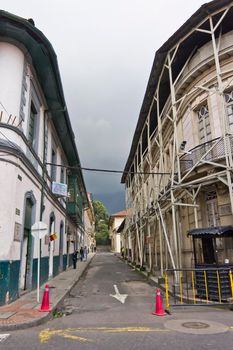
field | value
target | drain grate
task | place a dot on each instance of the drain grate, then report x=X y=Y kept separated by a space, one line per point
x=195 y=325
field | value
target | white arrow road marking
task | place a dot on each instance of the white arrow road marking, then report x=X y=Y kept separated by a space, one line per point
x=3 y=337
x=118 y=296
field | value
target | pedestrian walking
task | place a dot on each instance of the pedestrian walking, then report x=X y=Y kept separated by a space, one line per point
x=74 y=258
x=81 y=253
x=85 y=254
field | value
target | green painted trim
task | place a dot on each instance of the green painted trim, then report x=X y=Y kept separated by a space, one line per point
x=64 y=262
x=10 y=271
x=55 y=265
x=9 y=281
x=44 y=271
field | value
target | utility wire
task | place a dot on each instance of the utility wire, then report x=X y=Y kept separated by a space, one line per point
x=107 y=170
x=4 y=109
x=9 y=142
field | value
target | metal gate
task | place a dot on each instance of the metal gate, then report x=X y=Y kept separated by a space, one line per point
x=198 y=286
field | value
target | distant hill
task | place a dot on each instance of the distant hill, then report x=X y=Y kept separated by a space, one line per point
x=114 y=202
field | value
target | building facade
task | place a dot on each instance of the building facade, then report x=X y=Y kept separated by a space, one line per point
x=178 y=176
x=115 y=221
x=37 y=153
x=89 y=223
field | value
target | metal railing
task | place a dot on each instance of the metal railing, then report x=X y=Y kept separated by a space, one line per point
x=198 y=286
x=217 y=152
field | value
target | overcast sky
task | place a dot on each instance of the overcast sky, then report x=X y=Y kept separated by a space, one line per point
x=105 y=51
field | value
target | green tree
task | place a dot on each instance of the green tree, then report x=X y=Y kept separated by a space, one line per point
x=100 y=211
x=101 y=223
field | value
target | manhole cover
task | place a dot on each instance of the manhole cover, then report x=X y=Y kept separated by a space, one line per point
x=195 y=325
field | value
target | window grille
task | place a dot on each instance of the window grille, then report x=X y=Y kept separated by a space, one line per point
x=204 y=124
x=32 y=126
x=212 y=209
x=229 y=107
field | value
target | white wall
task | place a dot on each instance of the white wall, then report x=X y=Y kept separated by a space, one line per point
x=7 y=208
x=12 y=189
x=116 y=237
x=11 y=73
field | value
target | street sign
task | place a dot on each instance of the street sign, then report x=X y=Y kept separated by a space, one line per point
x=59 y=189
x=39 y=230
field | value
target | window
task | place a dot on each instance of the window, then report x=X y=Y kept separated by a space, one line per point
x=204 y=124
x=46 y=136
x=53 y=166
x=32 y=126
x=212 y=213
x=62 y=174
x=229 y=105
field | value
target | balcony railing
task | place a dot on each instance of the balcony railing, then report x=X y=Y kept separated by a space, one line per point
x=215 y=149
x=74 y=204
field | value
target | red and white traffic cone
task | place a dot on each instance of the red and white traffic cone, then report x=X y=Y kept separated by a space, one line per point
x=159 y=311
x=45 y=302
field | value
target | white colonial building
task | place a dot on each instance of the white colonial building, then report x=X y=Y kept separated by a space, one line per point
x=37 y=150
x=115 y=221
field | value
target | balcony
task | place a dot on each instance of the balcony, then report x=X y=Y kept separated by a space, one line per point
x=74 y=204
x=216 y=152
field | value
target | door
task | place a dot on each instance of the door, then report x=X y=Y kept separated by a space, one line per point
x=208 y=251
x=61 y=247
x=51 y=245
x=26 y=257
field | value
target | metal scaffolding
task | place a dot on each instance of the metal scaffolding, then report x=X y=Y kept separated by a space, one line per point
x=157 y=199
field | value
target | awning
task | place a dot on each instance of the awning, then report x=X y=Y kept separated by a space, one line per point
x=225 y=231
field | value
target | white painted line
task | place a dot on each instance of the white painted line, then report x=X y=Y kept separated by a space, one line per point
x=118 y=296
x=3 y=337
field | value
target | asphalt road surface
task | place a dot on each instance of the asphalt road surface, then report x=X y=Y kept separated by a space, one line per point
x=111 y=309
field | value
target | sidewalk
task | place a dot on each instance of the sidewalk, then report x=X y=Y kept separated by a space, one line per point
x=24 y=312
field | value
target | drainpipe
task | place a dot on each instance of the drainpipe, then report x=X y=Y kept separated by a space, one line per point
x=42 y=207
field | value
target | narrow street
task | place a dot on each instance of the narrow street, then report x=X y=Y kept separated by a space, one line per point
x=99 y=320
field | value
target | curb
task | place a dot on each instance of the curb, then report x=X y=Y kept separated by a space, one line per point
x=47 y=315
x=151 y=280
x=170 y=292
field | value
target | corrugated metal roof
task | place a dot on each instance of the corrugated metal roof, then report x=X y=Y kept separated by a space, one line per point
x=226 y=231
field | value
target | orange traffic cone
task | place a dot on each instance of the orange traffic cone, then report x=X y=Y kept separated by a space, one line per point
x=45 y=302
x=159 y=311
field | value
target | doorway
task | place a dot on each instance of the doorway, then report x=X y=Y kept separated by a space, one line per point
x=209 y=255
x=26 y=258
x=61 y=246
x=51 y=244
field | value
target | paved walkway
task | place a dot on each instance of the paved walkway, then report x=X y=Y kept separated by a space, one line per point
x=24 y=312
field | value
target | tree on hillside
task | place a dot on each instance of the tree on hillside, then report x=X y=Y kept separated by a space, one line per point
x=100 y=211
x=101 y=223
